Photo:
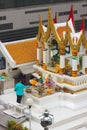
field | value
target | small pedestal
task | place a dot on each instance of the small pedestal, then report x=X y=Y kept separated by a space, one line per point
x=42 y=103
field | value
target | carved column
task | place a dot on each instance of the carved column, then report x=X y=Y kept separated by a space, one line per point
x=45 y=58
x=78 y=64
x=62 y=59
x=74 y=62
x=38 y=55
x=85 y=61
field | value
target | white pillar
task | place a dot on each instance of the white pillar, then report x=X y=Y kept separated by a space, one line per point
x=78 y=60
x=78 y=64
x=45 y=56
x=39 y=54
x=85 y=62
x=62 y=61
x=48 y=55
x=74 y=63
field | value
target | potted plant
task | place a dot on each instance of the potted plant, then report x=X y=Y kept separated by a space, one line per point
x=10 y=123
x=17 y=127
x=13 y=125
x=25 y=128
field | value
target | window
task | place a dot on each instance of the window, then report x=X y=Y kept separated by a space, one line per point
x=6 y=26
x=4 y=4
x=2 y=17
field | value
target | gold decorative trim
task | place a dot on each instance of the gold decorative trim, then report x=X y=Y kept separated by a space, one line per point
x=86 y=51
x=74 y=52
x=85 y=70
x=74 y=73
x=61 y=71
x=72 y=92
x=37 y=62
x=79 y=41
x=41 y=34
x=56 y=68
x=44 y=66
x=78 y=66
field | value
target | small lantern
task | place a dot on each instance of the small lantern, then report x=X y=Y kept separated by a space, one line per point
x=46 y=119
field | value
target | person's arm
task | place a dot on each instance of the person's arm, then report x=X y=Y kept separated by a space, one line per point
x=24 y=86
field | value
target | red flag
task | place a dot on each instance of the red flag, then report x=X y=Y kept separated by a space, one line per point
x=82 y=27
x=55 y=18
x=71 y=15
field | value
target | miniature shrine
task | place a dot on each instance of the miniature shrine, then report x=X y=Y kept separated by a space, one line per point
x=55 y=61
x=61 y=57
x=60 y=71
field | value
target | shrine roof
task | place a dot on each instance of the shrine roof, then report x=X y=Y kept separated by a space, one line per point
x=61 y=27
x=23 y=51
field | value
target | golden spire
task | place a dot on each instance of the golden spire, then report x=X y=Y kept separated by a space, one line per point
x=41 y=32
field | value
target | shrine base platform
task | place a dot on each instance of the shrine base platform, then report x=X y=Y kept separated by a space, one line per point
x=59 y=99
x=64 y=118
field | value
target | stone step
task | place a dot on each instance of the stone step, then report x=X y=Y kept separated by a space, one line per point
x=64 y=117
x=79 y=124
x=72 y=125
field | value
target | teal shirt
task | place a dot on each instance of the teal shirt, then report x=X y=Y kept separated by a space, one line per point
x=19 y=88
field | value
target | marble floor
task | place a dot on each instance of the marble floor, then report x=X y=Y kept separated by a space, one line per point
x=2 y=128
x=64 y=118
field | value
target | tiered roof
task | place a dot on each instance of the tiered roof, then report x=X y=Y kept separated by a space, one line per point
x=23 y=52
x=63 y=32
x=19 y=52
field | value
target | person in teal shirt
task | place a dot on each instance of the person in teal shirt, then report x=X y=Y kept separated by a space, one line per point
x=19 y=88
